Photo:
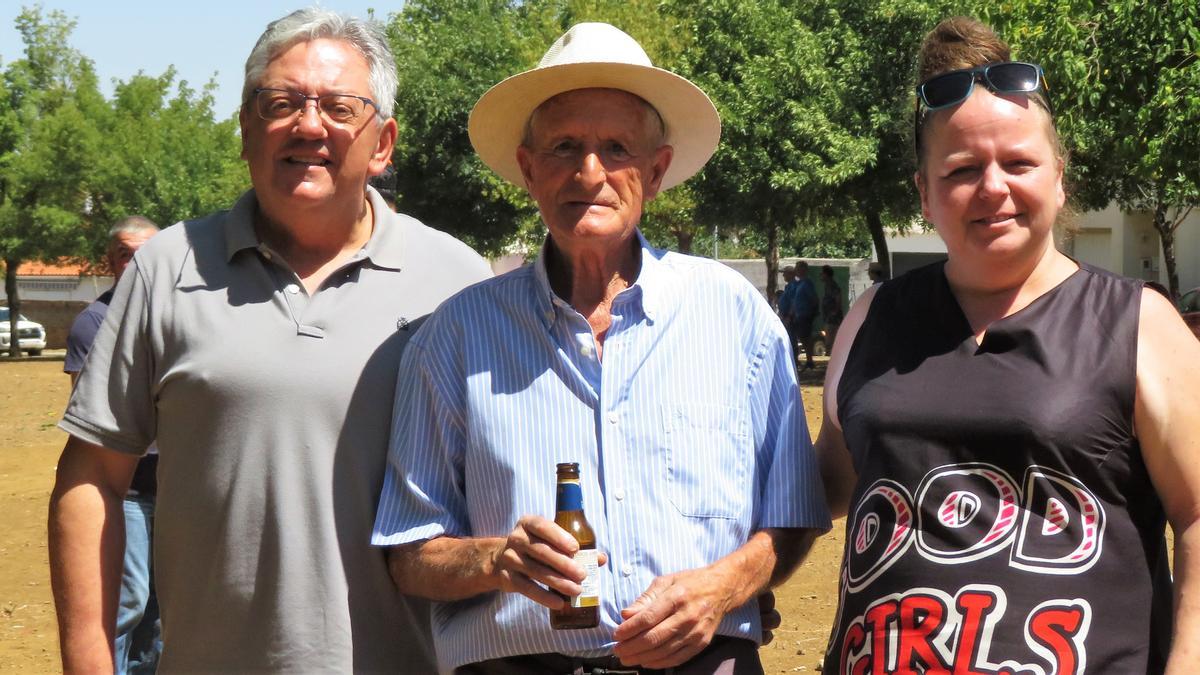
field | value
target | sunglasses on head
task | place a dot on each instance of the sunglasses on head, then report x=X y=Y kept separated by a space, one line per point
x=1006 y=77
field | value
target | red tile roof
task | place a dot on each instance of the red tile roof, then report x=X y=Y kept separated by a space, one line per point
x=60 y=268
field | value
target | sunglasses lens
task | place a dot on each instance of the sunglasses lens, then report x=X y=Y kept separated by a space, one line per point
x=1013 y=77
x=947 y=89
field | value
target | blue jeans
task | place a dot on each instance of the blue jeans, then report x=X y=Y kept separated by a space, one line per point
x=139 y=632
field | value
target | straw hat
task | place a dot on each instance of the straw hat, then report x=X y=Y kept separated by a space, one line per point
x=586 y=56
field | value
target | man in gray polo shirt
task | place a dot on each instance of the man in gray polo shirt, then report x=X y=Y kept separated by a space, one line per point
x=259 y=347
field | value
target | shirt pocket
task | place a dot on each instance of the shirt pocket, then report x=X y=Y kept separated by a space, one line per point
x=707 y=459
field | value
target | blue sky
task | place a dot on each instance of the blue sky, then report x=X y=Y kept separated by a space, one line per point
x=199 y=38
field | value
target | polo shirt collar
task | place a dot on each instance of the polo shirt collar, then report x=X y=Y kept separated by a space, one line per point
x=649 y=289
x=385 y=248
x=239 y=226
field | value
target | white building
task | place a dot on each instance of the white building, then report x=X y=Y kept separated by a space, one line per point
x=1125 y=243
x=58 y=282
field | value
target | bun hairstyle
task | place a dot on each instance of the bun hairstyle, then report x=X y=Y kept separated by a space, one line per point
x=962 y=42
x=959 y=42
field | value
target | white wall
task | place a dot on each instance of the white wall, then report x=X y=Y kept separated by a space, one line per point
x=1135 y=249
x=1093 y=246
x=1121 y=242
x=55 y=288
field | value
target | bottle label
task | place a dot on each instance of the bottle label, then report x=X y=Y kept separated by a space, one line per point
x=570 y=497
x=590 y=597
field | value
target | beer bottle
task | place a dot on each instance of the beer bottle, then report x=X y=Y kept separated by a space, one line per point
x=583 y=610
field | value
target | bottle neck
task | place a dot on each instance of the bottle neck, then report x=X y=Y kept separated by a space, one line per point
x=570 y=496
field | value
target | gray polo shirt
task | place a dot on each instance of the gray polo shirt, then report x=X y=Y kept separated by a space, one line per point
x=272 y=411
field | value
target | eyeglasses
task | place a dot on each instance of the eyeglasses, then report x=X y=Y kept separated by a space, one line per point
x=280 y=104
x=1007 y=77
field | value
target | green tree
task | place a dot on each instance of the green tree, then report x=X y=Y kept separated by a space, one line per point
x=786 y=145
x=166 y=157
x=873 y=45
x=448 y=53
x=48 y=146
x=1125 y=79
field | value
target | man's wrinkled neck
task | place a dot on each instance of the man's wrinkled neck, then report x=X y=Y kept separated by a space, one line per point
x=592 y=276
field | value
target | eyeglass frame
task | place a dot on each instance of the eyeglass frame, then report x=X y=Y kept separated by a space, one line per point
x=304 y=106
x=975 y=73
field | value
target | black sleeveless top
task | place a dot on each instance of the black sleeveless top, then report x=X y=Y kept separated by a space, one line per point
x=1003 y=520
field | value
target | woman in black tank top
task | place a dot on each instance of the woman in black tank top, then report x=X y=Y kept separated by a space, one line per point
x=1008 y=432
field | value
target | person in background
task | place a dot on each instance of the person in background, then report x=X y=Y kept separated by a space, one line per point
x=783 y=306
x=138 y=639
x=1008 y=431
x=258 y=348
x=803 y=308
x=696 y=470
x=831 y=305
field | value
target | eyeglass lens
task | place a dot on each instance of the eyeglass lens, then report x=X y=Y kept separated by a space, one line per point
x=1005 y=78
x=274 y=105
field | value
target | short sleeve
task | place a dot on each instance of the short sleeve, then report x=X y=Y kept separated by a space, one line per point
x=790 y=488
x=112 y=404
x=423 y=494
x=80 y=338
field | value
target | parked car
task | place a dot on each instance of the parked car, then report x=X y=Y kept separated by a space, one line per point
x=1189 y=307
x=31 y=334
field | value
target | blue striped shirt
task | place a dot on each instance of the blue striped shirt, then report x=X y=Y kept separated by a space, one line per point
x=690 y=436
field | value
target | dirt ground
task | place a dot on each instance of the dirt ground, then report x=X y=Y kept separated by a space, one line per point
x=33 y=394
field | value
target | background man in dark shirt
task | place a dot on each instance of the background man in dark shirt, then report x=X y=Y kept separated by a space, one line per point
x=137 y=642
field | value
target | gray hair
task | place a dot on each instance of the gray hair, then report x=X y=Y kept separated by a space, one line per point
x=131 y=224
x=316 y=23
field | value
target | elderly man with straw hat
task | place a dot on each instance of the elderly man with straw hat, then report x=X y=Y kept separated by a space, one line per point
x=665 y=377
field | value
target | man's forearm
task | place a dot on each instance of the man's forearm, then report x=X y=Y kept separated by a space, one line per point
x=1185 y=645
x=446 y=568
x=765 y=561
x=86 y=542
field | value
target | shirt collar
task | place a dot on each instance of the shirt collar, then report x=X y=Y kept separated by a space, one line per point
x=649 y=290
x=385 y=248
x=239 y=226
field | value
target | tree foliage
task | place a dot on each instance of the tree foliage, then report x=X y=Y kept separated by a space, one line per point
x=815 y=97
x=167 y=157
x=786 y=144
x=449 y=52
x=47 y=148
x=873 y=45
x=72 y=162
x=1125 y=79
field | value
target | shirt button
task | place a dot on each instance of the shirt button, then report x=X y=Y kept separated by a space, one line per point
x=619 y=494
x=292 y=288
x=627 y=569
x=612 y=418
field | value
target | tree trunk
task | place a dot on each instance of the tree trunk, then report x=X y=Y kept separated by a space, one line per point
x=14 y=306
x=772 y=261
x=875 y=227
x=1167 y=234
